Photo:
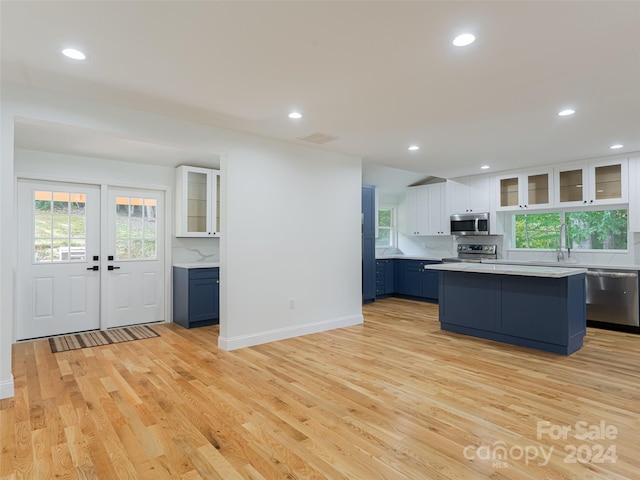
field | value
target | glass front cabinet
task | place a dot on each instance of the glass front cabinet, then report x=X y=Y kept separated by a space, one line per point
x=197 y=202
x=603 y=182
x=521 y=191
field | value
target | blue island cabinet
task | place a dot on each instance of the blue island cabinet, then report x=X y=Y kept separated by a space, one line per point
x=536 y=312
x=196 y=296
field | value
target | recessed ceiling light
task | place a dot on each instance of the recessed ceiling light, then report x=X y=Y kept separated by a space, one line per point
x=74 y=54
x=295 y=115
x=484 y=167
x=413 y=148
x=566 y=112
x=464 y=40
x=616 y=146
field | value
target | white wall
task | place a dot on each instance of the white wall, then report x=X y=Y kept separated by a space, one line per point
x=290 y=217
x=7 y=247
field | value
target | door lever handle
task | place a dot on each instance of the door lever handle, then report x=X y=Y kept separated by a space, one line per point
x=95 y=268
x=111 y=267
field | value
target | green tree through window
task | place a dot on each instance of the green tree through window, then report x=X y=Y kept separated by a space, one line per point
x=594 y=230
x=386 y=234
x=599 y=230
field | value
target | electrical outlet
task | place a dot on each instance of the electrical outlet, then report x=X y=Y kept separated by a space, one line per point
x=292 y=304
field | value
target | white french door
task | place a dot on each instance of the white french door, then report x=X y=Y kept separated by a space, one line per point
x=135 y=261
x=88 y=258
x=58 y=288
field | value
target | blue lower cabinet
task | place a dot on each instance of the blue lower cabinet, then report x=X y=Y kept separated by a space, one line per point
x=413 y=281
x=368 y=269
x=384 y=278
x=196 y=296
x=368 y=244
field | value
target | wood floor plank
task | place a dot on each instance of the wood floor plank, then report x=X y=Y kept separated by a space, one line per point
x=393 y=398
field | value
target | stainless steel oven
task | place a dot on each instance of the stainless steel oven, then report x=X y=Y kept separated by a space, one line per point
x=474 y=253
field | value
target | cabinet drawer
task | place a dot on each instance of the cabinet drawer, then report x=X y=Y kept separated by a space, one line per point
x=196 y=273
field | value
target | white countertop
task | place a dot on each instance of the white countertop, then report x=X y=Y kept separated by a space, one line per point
x=408 y=257
x=197 y=265
x=521 y=270
x=565 y=264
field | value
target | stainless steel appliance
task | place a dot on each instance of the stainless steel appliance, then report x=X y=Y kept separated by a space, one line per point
x=470 y=224
x=612 y=296
x=474 y=253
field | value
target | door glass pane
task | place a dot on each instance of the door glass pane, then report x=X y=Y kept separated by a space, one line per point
x=509 y=192
x=122 y=249
x=43 y=250
x=197 y=202
x=135 y=252
x=608 y=182
x=538 y=189
x=59 y=227
x=136 y=228
x=571 y=186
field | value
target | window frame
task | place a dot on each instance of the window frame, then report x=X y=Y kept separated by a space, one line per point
x=393 y=230
x=562 y=212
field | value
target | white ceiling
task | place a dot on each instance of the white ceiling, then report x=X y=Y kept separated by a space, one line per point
x=379 y=76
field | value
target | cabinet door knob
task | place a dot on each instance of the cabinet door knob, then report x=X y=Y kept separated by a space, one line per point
x=217 y=281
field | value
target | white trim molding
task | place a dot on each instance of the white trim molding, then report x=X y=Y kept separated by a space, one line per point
x=242 y=341
x=6 y=388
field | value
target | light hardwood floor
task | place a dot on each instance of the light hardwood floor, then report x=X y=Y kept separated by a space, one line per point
x=395 y=398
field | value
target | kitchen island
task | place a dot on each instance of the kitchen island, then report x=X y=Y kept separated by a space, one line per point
x=532 y=306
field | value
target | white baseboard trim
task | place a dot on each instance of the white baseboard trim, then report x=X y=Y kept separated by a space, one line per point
x=6 y=388
x=242 y=341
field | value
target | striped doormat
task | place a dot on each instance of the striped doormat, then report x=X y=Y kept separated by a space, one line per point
x=100 y=337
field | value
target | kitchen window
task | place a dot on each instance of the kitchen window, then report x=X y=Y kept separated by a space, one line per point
x=585 y=230
x=386 y=229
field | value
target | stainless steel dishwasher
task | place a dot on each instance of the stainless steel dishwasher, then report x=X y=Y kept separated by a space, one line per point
x=612 y=296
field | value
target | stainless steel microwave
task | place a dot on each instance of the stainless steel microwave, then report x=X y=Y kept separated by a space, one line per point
x=470 y=224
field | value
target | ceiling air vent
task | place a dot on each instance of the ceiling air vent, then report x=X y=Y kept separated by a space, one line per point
x=318 y=138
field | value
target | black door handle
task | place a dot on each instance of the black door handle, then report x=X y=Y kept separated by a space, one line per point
x=111 y=267
x=95 y=268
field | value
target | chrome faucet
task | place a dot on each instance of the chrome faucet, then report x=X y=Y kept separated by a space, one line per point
x=562 y=240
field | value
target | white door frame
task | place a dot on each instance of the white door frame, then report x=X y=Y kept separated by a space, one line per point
x=168 y=233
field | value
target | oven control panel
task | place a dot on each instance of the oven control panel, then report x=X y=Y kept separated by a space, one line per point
x=477 y=248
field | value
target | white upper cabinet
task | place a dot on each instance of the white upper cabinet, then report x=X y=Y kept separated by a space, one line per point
x=426 y=210
x=417 y=210
x=469 y=194
x=197 y=202
x=525 y=191
x=595 y=183
x=438 y=219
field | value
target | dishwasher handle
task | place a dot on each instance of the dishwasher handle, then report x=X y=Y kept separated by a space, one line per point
x=611 y=274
